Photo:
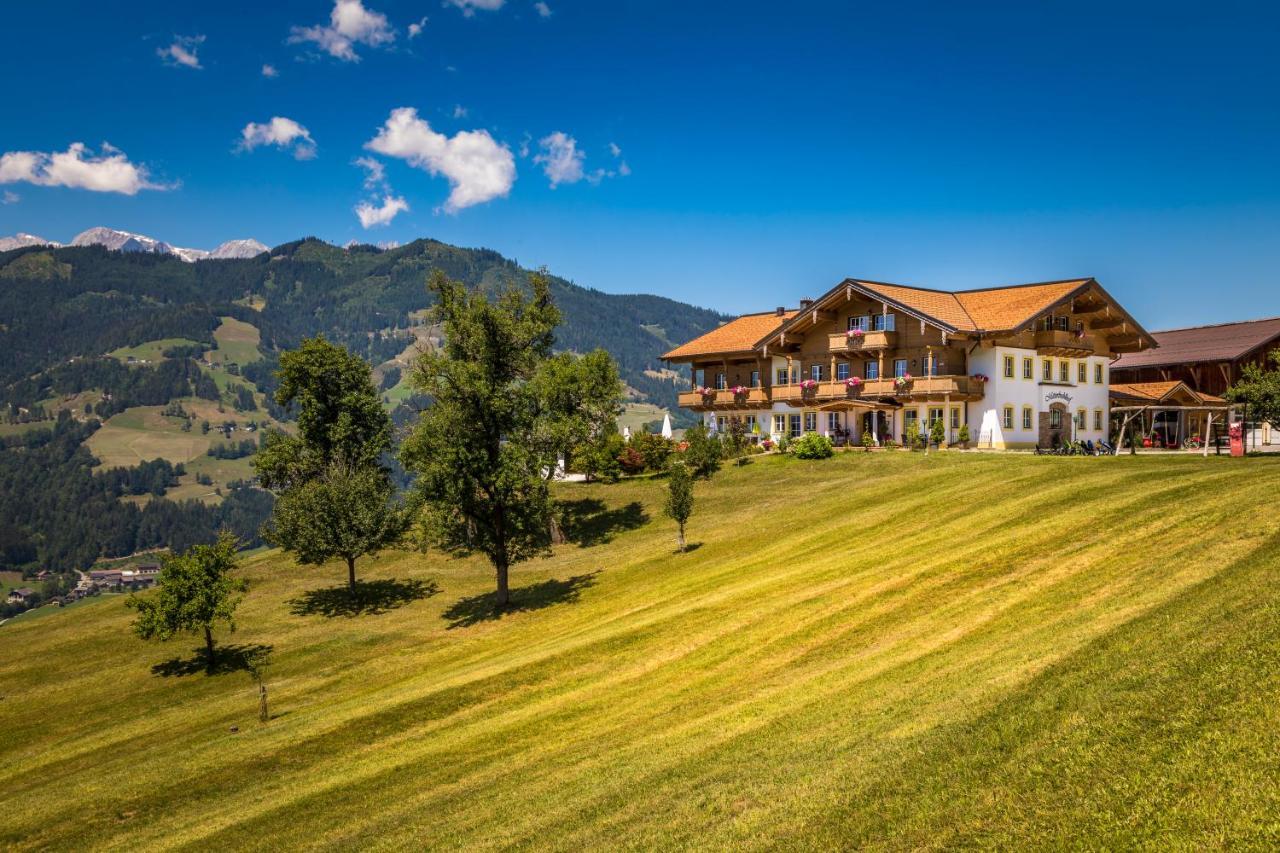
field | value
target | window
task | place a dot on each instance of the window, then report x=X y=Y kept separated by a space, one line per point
x=795 y=374
x=955 y=417
x=1082 y=373
x=779 y=424
x=1028 y=368
x=699 y=378
x=833 y=422
x=780 y=376
x=1047 y=371
x=882 y=322
x=755 y=379
x=1008 y=367
x=1082 y=419
x=1027 y=416
x=935 y=415
x=872 y=370
x=751 y=424
x=899 y=367
x=909 y=417
x=1008 y=417
x=810 y=421
x=1062 y=323
x=815 y=372
x=842 y=371
x=1097 y=374
x=795 y=425
x=1055 y=418
x=720 y=381
x=1064 y=371
x=858 y=323
x=1097 y=420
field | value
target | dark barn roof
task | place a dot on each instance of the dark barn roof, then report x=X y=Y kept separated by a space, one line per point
x=1221 y=342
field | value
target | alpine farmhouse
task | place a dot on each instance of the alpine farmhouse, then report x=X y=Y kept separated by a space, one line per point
x=1022 y=366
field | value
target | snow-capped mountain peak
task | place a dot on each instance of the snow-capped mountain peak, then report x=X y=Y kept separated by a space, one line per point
x=19 y=240
x=239 y=249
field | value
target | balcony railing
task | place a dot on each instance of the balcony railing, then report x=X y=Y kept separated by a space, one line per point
x=867 y=341
x=828 y=391
x=1063 y=343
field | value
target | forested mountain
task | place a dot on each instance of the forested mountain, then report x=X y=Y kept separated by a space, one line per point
x=63 y=310
x=81 y=302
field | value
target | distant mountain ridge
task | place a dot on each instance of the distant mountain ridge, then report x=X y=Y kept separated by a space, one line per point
x=127 y=241
x=61 y=304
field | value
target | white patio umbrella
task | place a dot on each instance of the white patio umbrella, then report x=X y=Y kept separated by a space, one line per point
x=626 y=433
x=666 y=426
x=712 y=424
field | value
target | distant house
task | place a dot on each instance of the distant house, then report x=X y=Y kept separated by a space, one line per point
x=147 y=568
x=43 y=575
x=106 y=577
x=137 y=580
x=21 y=595
x=1209 y=359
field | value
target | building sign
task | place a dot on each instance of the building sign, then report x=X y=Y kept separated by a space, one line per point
x=1057 y=395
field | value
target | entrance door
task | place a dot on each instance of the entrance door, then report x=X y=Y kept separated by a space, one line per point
x=875 y=423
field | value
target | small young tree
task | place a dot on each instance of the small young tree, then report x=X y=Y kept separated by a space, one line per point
x=868 y=441
x=703 y=452
x=913 y=435
x=196 y=591
x=735 y=440
x=963 y=436
x=679 y=505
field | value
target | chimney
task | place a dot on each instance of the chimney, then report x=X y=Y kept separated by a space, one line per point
x=781 y=310
x=806 y=304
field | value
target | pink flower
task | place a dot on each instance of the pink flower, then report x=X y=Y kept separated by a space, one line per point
x=852 y=382
x=809 y=383
x=738 y=389
x=855 y=333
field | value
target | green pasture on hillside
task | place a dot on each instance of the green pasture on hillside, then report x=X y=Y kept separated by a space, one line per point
x=882 y=650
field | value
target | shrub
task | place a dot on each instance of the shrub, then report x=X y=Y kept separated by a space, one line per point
x=867 y=441
x=937 y=433
x=784 y=443
x=963 y=435
x=913 y=439
x=811 y=445
x=630 y=460
x=655 y=449
x=704 y=451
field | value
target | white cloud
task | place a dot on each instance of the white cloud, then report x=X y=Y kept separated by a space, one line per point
x=415 y=29
x=459 y=111
x=350 y=23
x=543 y=9
x=10 y=197
x=371 y=216
x=477 y=167
x=624 y=169
x=182 y=52
x=560 y=158
x=281 y=132
x=614 y=149
x=110 y=172
x=269 y=71
x=375 y=174
x=469 y=7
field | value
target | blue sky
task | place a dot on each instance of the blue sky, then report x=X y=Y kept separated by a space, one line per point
x=772 y=148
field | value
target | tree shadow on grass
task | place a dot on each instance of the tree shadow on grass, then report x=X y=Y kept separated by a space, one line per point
x=481 y=608
x=588 y=521
x=369 y=598
x=226 y=658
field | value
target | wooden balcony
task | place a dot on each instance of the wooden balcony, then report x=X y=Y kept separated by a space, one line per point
x=868 y=342
x=927 y=388
x=724 y=399
x=1063 y=344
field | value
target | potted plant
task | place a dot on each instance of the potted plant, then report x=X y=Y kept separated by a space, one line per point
x=912 y=437
x=738 y=390
x=963 y=436
x=854 y=335
x=902 y=381
x=937 y=433
x=807 y=386
x=852 y=384
x=867 y=441
x=980 y=377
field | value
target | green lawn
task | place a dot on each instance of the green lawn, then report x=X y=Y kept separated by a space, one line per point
x=881 y=650
x=237 y=341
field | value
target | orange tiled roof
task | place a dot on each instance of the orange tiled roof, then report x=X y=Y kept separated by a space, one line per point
x=1158 y=391
x=989 y=309
x=738 y=335
x=1000 y=308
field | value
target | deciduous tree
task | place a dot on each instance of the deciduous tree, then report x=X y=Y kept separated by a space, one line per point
x=1259 y=389
x=479 y=450
x=196 y=591
x=679 y=504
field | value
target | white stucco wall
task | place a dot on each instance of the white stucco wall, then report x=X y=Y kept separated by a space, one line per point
x=1037 y=394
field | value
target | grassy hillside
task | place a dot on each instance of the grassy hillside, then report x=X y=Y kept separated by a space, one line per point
x=881 y=650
